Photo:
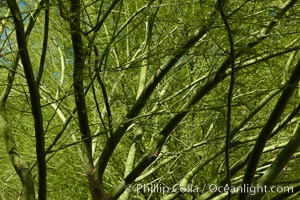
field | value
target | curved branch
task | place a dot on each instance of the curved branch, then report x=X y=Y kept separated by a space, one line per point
x=230 y=92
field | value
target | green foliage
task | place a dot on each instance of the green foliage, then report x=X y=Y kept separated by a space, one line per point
x=155 y=77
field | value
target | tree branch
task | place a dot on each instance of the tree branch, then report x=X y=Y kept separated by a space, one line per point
x=281 y=160
x=78 y=68
x=45 y=42
x=34 y=97
x=230 y=93
x=19 y=165
x=269 y=126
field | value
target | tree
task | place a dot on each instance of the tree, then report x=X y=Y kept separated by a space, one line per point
x=144 y=99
